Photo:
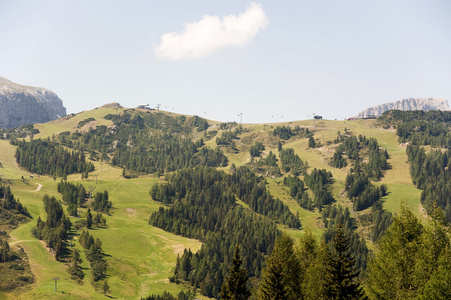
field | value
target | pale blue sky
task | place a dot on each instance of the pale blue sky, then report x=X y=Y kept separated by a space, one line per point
x=333 y=58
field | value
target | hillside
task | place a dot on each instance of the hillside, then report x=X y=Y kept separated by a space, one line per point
x=22 y=105
x=142 y=257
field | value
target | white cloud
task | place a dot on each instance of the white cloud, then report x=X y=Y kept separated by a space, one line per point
x=212 y=33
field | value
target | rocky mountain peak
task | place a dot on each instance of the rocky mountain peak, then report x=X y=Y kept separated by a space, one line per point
x=20 y=104
x=406 y=104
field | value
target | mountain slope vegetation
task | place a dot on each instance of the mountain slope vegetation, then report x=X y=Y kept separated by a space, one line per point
x=204 y=187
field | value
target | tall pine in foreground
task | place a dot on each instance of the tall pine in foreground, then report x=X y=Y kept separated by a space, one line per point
x=282 y=278
x=342 y=271
x=235 y=286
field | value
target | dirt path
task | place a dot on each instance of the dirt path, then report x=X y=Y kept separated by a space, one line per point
x=38 y=188
x=22 y=241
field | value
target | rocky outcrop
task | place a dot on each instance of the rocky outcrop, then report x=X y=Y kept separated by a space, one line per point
x=21 y=105
x=406 y=104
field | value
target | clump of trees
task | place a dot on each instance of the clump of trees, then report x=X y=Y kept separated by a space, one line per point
x=10 y=208
x=94 y=254
x=168 y=296
x=291 y=162
x=358 y=186
x=47 y=157
x=319 y=182
x=73 y=196
x=54 y=231
x=100 y=203
x=298 y=192
x=256 y=149
x=286 y=132
x=84 y=122
x=361 y=191
x=227 y=137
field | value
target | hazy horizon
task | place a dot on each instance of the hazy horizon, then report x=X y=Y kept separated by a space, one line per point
x=272 y=62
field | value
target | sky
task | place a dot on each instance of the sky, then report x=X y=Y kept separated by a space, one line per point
x=271 y=61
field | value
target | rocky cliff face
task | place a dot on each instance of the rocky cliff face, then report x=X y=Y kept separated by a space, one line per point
x=21 y=105
x=407 y=104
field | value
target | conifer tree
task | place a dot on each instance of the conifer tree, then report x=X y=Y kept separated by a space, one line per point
x=89 y=219
x=235 y=286
x=272 y=287
x=75 y=269
x=106 y=287
x=311 y=142
x=314 y=284
x=391 y=273
x=342 y=271
x=281 y=279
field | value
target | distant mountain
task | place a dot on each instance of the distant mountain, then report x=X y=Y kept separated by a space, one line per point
x=20 y=105
x=406 y=104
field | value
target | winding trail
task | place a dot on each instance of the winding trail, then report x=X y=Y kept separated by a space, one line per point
x=38 y=188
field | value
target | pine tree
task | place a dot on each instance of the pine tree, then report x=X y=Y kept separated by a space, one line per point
x=272 y=287
x=75 y=269
x=314 y=284
x=342 y=271
x=390 y=273
x=106 y=287
x=311 y=142
x=235 y=286
x=89 y=219
x=282 y=278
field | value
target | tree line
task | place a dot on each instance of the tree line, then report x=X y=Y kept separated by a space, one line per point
x=47 y=157
x=147 y=142
x=420 y=127
x=431 y=173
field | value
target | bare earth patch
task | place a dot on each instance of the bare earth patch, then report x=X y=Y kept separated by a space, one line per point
x=130 y=210
x=179 y=248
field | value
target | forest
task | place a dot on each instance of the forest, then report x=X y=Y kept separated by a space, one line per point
x=147 y=143
x=420 y=127
x=202 y=204
x=15 y=270
x=429 y=170
x=46 y=157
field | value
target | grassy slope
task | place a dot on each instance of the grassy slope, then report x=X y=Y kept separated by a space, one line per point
x=142 y=257
x=397 y=179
